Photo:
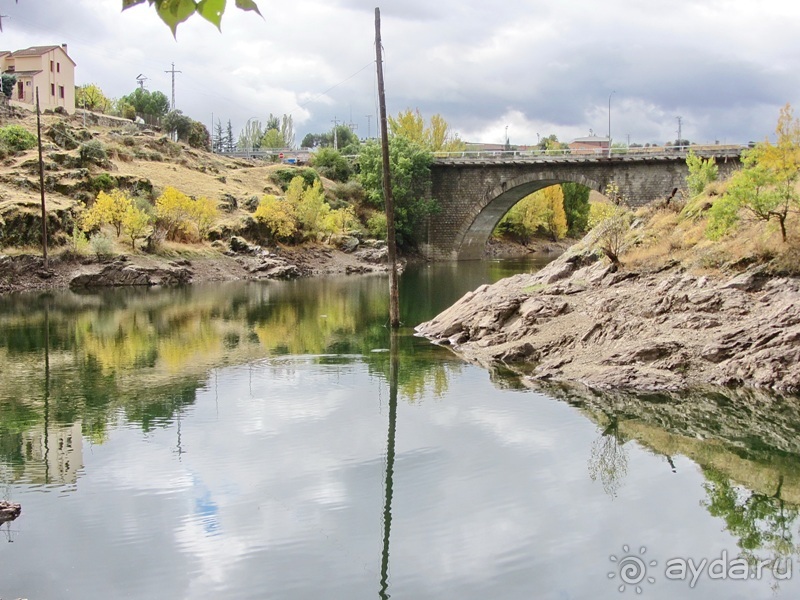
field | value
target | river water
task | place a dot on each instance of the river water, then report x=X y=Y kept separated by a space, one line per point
x=249 y=440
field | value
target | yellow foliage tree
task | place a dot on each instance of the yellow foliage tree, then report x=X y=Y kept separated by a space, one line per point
x=203 y=212
x=541 y=210
x=173 y=212
x=108 y=209
x=278 y=216
x=436 y=137
x=341 y=220
x=554 y=219
x=311 y=209
x=135 y=224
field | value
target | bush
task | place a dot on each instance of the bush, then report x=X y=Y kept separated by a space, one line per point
x=101 y=245
x=278 y=216
x=376 y=225
x=93 y=152
x=331 y=164
x=16 y=138
x=283 y=177
x=103 y=183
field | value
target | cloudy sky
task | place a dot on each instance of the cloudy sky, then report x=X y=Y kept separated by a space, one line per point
x=533 y=67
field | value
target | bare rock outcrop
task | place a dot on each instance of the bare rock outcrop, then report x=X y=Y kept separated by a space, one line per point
x=580 y=319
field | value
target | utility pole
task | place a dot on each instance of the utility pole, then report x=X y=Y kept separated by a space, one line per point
x=173 y=71
x=335 y=133
x=609 y=121
x=369 y=129
x=680 y=136
x=140 y=79
x=41 y=180
x=394 y=296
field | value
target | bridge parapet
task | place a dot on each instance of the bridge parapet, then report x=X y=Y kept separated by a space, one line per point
x=589 y=155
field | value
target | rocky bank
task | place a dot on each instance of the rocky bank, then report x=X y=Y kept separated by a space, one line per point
x=581 y=319
x=240 y=260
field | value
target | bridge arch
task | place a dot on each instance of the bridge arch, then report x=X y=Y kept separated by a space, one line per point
x=475 y=193
x=471 y=238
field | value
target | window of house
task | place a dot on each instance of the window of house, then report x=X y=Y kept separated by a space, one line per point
x=58 y=67
x=52 y=89
x=51 y=66
x=61 y=92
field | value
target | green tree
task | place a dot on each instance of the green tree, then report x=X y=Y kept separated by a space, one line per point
x=177 y=123
x=174 y=12
x=576 y=207
x=144 y=102
x=272 y=139
x=410 y=168
x=344 y=138
x=767 y=186
x=331 y=164
x=701 y=173
x=8 y=81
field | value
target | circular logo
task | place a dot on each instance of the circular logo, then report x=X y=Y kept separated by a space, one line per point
x=631 y=569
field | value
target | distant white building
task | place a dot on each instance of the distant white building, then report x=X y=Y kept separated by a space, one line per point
x=47 y=67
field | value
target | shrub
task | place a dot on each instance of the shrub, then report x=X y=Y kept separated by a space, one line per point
x=101 y=245
x=278 y=216
x=103 y=183
x=331 y=164
x=376 y=225
x=283 y=177
x=93 y=152
x=173 y=211
x=17 y=138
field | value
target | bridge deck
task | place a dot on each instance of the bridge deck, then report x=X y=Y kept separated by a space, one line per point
x=512 y=157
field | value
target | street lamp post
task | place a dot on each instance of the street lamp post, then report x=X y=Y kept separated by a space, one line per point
x=609 y=121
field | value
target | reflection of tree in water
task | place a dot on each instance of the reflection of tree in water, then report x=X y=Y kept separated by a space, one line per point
x=759 y=521
x=609 y=460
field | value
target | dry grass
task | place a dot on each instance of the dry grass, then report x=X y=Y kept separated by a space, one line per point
x=667 y=235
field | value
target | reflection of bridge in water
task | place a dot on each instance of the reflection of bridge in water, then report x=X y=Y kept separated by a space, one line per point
x=475 y=189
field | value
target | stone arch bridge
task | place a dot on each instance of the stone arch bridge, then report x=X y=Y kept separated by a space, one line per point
x=475 y=191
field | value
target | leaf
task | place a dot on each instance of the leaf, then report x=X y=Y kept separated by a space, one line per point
x=128 y=3
x=211 y=10
x=174 y=12
x=248 y=5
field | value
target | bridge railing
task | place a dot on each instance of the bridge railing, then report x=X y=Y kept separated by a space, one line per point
x=716 y=150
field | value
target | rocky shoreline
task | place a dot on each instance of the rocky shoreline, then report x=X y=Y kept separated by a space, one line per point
x=580 y=319
x=243 y=261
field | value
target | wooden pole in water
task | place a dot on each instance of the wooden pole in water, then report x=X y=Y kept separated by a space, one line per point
x=394 y=297
x=41 y=179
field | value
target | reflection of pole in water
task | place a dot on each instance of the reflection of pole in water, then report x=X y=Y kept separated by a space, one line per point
x=46 y=393
x=387 y=507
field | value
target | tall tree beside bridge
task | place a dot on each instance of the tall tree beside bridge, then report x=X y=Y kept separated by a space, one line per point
x=766 y=189
x=436 y=137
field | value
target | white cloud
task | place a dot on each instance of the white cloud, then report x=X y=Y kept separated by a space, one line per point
x=540 y=68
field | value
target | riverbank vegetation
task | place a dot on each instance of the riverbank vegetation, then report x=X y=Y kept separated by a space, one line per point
x=749 y=219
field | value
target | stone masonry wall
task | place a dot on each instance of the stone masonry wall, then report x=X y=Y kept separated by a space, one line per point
x=474 y=196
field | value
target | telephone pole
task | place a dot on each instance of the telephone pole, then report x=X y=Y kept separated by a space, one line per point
x=173 y=71
x=680 y=137
x=335 y=122
x=369 y=121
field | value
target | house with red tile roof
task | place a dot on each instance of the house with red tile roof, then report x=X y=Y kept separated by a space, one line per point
x=48 y=68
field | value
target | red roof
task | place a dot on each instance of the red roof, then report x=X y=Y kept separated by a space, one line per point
x=39 y=51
